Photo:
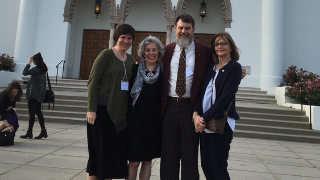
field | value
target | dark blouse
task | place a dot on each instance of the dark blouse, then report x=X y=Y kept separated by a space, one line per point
x=5 y=102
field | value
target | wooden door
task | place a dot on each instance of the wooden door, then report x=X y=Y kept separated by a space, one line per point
x=140 y=36
x=94 y=41
x=204 y=38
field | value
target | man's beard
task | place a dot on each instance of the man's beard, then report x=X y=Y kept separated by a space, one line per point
x=184 y=43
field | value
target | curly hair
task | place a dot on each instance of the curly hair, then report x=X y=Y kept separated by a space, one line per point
x=151 y=39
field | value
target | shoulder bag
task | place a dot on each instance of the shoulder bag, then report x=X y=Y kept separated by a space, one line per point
x=217 y=125
x=49 y=94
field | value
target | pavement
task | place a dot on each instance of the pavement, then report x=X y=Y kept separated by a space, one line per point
x=64 y=154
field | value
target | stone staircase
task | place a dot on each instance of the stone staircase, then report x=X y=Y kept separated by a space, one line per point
x=260 y=116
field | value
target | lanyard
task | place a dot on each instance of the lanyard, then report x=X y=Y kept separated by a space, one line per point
x=125 y=72
x=124 y=66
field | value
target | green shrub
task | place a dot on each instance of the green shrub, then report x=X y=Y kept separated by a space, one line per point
x=6 y=63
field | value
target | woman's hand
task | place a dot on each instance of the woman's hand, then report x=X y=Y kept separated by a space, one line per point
x=30 y=60
x=9 y=107
x=199 y=124
x=9 y=127
x=91 y=117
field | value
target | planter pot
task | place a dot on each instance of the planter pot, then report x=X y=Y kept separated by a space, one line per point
x=7 y=77
x=288 y=102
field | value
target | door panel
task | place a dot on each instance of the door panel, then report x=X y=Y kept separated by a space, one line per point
x=94 y=41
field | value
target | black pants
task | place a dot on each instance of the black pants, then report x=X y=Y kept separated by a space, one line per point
x=214 y=150
x=179 y=141
x=34 y=107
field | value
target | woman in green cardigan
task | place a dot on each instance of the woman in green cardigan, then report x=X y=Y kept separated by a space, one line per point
x=107 y=107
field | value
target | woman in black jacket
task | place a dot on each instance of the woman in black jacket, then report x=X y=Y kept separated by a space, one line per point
x=219 y=86
x=36 y=93
x=8 y=99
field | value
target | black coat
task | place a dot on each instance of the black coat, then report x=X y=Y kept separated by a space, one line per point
x=226 y=84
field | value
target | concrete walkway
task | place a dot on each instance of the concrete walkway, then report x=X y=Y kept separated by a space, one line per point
x=63 y=155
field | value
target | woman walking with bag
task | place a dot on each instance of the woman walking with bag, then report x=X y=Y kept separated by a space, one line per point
x=36 y=93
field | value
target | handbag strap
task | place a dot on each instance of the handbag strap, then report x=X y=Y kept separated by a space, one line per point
x=49 y=85
x=229 y=105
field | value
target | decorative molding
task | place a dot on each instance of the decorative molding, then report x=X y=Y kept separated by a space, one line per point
x=124 y=9
x=168 y=8
x=170 y=12
x=112 y=8
x=181 y=6
x=118 y=13
x=68 y=10
x=227 y=13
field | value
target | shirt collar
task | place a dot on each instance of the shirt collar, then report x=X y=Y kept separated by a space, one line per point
x=192 y=46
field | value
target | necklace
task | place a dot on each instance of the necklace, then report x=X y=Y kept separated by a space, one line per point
x=220 y=65
x=151 y=73
x=120 y=55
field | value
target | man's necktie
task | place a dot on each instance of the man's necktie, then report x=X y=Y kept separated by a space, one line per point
x=181 y=77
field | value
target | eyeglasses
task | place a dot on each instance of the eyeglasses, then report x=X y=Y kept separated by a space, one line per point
x=221 y=44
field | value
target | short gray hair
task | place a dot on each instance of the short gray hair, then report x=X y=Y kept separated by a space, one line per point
x=151 y=39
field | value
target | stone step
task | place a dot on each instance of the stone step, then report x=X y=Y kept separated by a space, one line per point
x=255 y=95
x=273 y=123
x=59 y=80
x=54 y=113
x=57 y=119
x=257 y=100
x=58 y=107
x=275 y=129
x=268 y=110
x=252 y=91
x=295 y=137
x=283 y=117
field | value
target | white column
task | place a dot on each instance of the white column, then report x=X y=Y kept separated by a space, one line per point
x=272 y=44
x=111 y=41
x=169 y=31
x=26 y=31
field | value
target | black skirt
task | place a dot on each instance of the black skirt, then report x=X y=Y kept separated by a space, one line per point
x=107 y=149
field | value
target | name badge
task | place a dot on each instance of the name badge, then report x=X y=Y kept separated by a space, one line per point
x=124 y=85
x=188 y=71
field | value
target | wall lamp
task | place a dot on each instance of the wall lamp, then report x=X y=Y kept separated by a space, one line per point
x=97 y=8
x=203 y=9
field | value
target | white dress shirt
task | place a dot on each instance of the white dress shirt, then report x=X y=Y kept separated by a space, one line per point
x=210 y=94
x=190 y=59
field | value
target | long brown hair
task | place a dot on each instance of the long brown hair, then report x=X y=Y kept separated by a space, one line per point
x=234 y=49
x=15 y=85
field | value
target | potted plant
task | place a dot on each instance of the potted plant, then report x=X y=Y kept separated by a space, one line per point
x=6 y=62
x=294 y=78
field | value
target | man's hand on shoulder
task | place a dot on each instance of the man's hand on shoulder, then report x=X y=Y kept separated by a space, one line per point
x=244 y=72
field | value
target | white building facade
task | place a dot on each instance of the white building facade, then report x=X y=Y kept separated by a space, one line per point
x=271 y=34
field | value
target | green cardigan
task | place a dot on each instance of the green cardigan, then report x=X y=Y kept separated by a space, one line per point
x=104 y=86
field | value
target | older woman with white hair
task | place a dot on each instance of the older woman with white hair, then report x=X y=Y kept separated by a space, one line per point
x=144 y=118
